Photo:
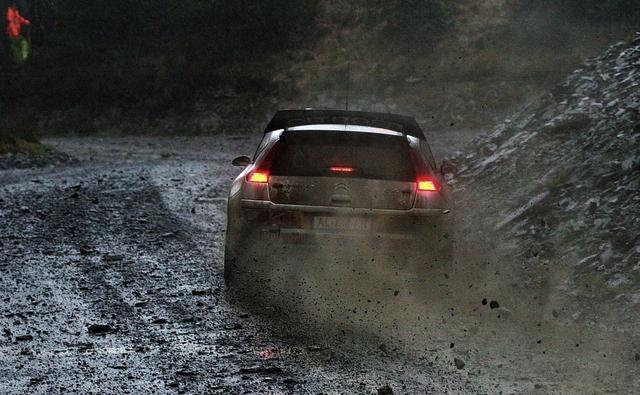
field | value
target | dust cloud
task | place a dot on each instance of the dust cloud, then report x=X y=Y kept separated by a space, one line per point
x=475 y=313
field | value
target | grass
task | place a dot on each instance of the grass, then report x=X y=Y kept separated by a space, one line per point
x=12 y=145
x=17 y=135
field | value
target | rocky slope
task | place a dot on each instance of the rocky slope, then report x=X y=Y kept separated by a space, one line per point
x=561 y=177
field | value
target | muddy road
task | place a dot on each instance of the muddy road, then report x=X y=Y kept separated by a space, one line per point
x=112 y=282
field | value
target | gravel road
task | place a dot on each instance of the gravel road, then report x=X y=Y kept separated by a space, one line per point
x=111 y=283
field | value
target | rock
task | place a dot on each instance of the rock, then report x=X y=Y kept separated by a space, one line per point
x=557 y=205
x=459 y=363
x=112 y=258
x=261 y=369
x=100 y=329
x=159 y=321
x=503 y=312
x=385 y=390
x=494 y=304
x=23 y=338
x=186 y=373
x=233 y=326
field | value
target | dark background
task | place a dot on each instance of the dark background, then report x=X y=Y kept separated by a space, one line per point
x=133 y=67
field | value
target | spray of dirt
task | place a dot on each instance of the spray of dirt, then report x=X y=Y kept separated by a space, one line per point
x=483 y=313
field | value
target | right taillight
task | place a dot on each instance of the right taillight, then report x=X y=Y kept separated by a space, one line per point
x=258 y=176
x=427 y=184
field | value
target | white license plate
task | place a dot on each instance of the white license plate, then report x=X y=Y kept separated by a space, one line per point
x=342 y=223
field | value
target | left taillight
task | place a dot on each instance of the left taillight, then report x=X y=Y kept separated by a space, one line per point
x=258 y=176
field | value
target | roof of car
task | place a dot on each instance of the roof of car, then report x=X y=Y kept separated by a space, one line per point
x=285 y=119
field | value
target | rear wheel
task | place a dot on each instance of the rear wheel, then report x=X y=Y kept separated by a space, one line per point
x=229 y=268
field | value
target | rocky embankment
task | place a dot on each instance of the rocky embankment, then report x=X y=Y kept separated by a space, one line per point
x=561 y=177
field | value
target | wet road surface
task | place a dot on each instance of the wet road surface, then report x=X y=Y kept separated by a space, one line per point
x=112 y=282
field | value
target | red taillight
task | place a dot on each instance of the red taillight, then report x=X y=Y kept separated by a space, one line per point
x=341 y=169
x=426 y=184
x=258 y=176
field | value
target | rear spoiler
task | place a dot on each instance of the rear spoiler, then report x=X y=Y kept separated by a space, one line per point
x=289 y=118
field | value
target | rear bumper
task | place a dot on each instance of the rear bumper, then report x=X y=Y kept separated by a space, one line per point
x=414 y=212
x=295 y=223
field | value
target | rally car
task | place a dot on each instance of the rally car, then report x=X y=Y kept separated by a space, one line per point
x=331 y=178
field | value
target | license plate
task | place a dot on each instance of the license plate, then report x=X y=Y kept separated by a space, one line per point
x=342 y=223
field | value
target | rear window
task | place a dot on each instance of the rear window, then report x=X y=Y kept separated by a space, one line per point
x=314 y=154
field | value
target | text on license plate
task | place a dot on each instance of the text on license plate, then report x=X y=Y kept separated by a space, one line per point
x=345 y=223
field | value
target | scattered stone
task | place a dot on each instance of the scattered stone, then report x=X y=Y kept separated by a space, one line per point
x=112 y=258
x=186 y=373
x=159 y=321
x=234 y=326
x=82 y=347
x=494 y=304
x=23 y=338
x=100 y=329
x=385 y=390
x=459 y=363
x=261 y=369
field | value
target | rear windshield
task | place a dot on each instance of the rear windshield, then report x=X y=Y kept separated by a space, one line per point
x=365 y=155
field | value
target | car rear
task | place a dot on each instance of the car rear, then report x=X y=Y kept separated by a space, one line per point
x=345 y=184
